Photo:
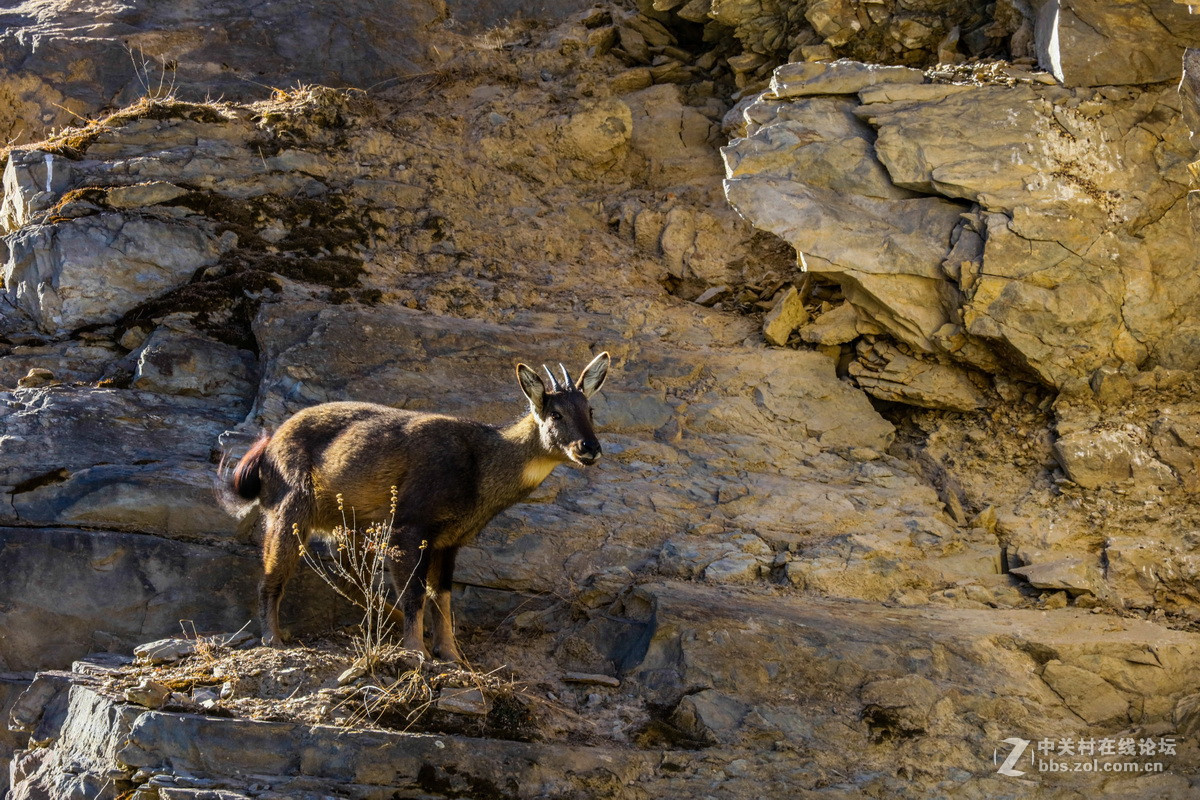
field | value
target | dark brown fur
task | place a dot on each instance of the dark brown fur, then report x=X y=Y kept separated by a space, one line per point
x=452 y=477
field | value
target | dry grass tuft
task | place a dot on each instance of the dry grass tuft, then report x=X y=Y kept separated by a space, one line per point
x=73 y=141
x=305 y=114
x=507 y=36
x=309 y=683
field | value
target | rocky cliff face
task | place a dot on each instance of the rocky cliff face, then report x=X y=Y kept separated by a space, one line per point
x=62 y=61
x=998 y=222
x=920 y=327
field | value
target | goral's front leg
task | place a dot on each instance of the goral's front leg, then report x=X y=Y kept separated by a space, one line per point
x=441 y=579
x=409 y=567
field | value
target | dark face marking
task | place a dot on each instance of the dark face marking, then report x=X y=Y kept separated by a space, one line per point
x=566 y=425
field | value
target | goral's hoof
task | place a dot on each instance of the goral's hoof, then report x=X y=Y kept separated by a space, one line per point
x=274 y=640
x=416 y=654
x=448 y=654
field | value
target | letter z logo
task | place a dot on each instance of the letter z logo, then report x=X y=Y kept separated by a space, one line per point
x=1018 y=749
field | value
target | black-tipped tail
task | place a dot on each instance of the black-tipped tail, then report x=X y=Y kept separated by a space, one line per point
x=246 y=482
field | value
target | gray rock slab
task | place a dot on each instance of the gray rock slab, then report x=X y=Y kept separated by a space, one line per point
x=68 y=593
x=836 y=77
x=885 y=372
x=94 y=269
x=109 y=457
x=845 y=656
x=177 y=359
x=144 y=194
x=107 y=739
x=1072 y=574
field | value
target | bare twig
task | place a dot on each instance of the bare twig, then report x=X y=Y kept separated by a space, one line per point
x=145 y=66
x=356 y=572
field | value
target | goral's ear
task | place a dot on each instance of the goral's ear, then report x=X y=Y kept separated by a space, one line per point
x=593 y=375
x=532 y=386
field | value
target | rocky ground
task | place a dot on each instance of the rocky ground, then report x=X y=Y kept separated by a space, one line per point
x=856 y=525
x=322 y=682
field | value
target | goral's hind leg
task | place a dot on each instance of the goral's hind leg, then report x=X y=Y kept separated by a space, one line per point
x=441 y=578
x=286 y=531
x=281 y=552
x=409 y=569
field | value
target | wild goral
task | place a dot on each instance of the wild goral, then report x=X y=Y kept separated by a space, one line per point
x=451 y=475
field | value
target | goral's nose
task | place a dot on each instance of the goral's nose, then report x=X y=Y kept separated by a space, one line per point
x=589 y=452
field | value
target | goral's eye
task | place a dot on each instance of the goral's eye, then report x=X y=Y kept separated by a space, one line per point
x=555 y=415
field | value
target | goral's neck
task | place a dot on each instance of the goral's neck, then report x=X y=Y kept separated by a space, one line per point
x=530 y=461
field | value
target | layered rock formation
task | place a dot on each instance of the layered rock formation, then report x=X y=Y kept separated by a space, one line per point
x=906 y=684
x=958 y=232
x=67 y=61
x=1040 y=258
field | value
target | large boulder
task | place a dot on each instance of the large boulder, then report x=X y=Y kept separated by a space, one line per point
x=178 y=359
x=1094 y=458
x=94 y=269
x=1097 y=43
x=958 y=233
x=807 y=172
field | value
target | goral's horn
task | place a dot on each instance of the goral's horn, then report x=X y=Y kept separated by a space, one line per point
x=554 y=387
x=567 y=382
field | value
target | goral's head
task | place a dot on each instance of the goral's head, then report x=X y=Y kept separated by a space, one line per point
x=564 y=410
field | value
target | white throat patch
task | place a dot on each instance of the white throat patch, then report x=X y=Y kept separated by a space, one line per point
x=536 y=471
